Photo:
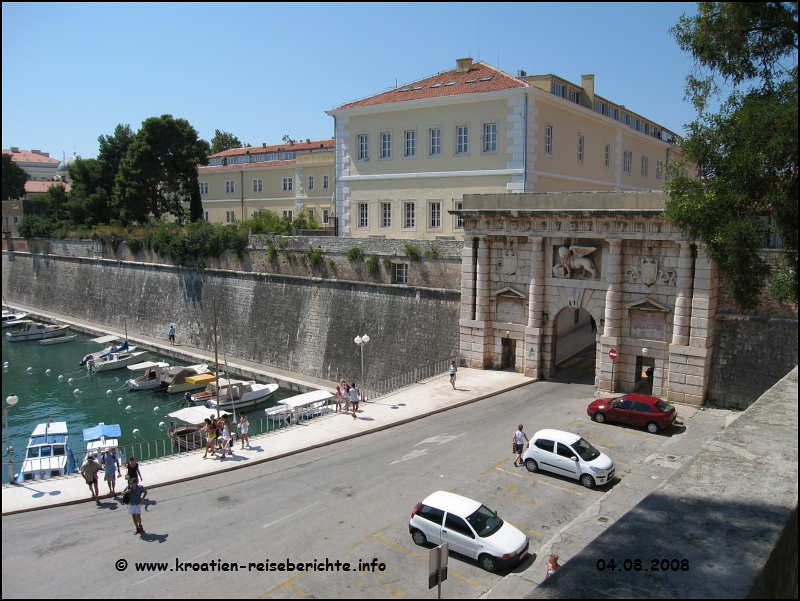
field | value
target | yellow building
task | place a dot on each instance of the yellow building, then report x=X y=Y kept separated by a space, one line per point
x=284 y=178
x=406 y=157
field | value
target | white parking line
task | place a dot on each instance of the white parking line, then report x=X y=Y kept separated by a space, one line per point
x=286 y=517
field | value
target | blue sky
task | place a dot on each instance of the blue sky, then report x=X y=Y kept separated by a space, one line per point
x=72 y=72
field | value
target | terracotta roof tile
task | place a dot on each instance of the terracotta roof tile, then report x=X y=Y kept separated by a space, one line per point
x=296 y=147
x=41 y=186
x=480 y=78
x=26 y=156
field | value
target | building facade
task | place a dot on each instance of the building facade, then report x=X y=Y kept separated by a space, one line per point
x=406 y=158
x=285 y=179
x=531 y=259
x=37 y=164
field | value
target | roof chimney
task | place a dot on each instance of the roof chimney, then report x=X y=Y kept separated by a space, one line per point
x=463 y=65
x=521 y=73
x=263 y=144
x=15 y=149
x=308 y=140
x=587 y=83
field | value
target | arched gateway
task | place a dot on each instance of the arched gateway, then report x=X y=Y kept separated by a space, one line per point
x=651 y=292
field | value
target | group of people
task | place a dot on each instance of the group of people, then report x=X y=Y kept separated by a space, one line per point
x=217 y=433
x=349 y=394
x=133 y=494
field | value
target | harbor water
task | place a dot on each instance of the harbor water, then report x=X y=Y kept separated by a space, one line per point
x=50 y=383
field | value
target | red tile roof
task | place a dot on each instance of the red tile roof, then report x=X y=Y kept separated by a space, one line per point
x=480 y=78
x=41 y=186
x=296 y=147
x=26 y=156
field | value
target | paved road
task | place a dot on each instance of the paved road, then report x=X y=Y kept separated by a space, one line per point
x=347 y=502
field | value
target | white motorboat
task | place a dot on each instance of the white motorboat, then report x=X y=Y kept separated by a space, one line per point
x=10 y=317
x=187 y=435
x=154 y=373
x=58 y=340
x=185 y=378
x=110 y=348
x=99 y=438
x=47 y=454
x=113 y=360
x=31 y=330
x=303 y=406
x=234 y=394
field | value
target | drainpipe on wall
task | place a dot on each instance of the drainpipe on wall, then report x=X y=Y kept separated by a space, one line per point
x=525 y=146
x=241 y=171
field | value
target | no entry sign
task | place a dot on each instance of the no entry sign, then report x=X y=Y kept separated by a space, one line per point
x=613 y=354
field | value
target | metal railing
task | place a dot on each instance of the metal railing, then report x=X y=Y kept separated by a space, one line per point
x=408 y=378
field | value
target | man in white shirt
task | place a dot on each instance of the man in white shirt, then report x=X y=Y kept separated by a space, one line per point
x=520 y=438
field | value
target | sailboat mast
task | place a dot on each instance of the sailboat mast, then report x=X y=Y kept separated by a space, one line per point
x=216 y=359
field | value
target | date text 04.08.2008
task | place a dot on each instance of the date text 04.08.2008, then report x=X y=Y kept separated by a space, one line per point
x=635 y=565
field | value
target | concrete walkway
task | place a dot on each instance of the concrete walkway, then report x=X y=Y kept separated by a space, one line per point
x=408 y=404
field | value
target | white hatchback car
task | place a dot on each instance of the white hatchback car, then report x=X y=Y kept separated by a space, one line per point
x=569 y=455
x=470 y=528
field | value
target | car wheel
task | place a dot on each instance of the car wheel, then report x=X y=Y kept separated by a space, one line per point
x=419 y=538
x=652 y=427
x=488 y=563
x=587 y=481
x=599 y=418
x=531 y=465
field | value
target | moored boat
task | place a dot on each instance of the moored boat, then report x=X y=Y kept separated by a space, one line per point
x=185 y=378
x=58 y=340
x=111 y=361
x=47 y=454
x=31 y=330
x=187 y=435
x=99 y=438
x=110 y=348
x=234 y=394
x=11 y=317
x=154 y=373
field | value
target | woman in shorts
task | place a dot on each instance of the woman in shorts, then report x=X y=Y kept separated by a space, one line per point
x=244 y=429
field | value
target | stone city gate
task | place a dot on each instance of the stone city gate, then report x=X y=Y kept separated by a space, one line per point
x=651 y=292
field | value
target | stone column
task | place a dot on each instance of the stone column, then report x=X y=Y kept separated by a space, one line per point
x=533 y=333
x=482 y=281
x=683 y=300
x=612 y=330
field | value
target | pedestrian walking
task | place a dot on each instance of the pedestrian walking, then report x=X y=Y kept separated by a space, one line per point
x=552 y=565
x=346 y=395
x=133 y=470
x=225 y=432
x=519 y=439
x=354 y=398
x=244 y=429
x=211 y=436
x=89 y=472
x=172 y=334
x=453 y=370
x=337 y=398
x=111 y=469
x=135 y=495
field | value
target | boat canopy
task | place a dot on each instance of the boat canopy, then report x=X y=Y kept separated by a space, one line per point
x=99 y=430
x=148 y=365
x=52 y=429
x=301 y=400
x=105 y=339
x=191 y=415
x=201 y=379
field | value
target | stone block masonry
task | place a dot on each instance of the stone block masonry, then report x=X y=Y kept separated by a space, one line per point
x=299 y=324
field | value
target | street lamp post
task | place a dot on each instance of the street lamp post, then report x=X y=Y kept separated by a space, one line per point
x=11 y=400
x=361 y=341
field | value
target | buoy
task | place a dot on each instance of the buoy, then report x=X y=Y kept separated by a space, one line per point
x=128 y=408
x=155 y=409
x=60 y=378
x=47 y=372
x=76 y=391
x=70 y=381
x=29 y=370
x=5 y=364
x=108 y=392
x=119 y=400
x=116 y=379
x=136 y=431
x=161 y=425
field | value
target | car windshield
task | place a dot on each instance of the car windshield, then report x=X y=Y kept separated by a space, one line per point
x=585 y=450
x=665 y=407
x=484 y=521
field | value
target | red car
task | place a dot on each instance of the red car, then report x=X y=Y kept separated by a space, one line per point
x=636 y=409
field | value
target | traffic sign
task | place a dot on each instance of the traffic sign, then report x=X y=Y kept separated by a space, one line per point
x=613 y=354
x=437 y=566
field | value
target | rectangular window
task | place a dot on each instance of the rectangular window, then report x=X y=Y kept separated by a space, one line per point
x=288 y=184
x=599 y=107
x=326 y=182
x=458 y=223
x=659 y=169
x=230 y=216
x=575 y=96
x=203 y=187
x=401 y=273
x=436 y=142
x=608 y=155
x=612 y=112
x=289 y=156
x=230 y=186
x=411 y=143
x=548 y=140
x=643 y=127
x=490 y=137
x=205 y=215
x=363 y=147
x=634 y=123
x=386 y=214
x=289 y=215
x=409 y=215
x=363 y=214
x=258 y=185
x=326 y=216
x=435 y=215
x=627 y=159
x=559 y=89
x=645 y=160
x=386 y=145
x=462 y=139
x=624 y=118
x=652 y=130
x=310 y=182
x=580 y=149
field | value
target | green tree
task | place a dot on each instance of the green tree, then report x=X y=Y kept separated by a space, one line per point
x=34 y=226
x=57 y=199
x=14 y=178
x=113 y=149
x=159 y=172
x=89 y=200
x=746 y=153
x=224 y=140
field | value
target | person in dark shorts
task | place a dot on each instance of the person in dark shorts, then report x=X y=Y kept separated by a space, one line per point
x=89 y=473
x=520 y=438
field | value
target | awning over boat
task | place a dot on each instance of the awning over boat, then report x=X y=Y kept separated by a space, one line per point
x=148 y=365
x=192 y=415
x=301 y=400
x=105 y=339
x=50 y=428
x=99 y=430
x=201 y=379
